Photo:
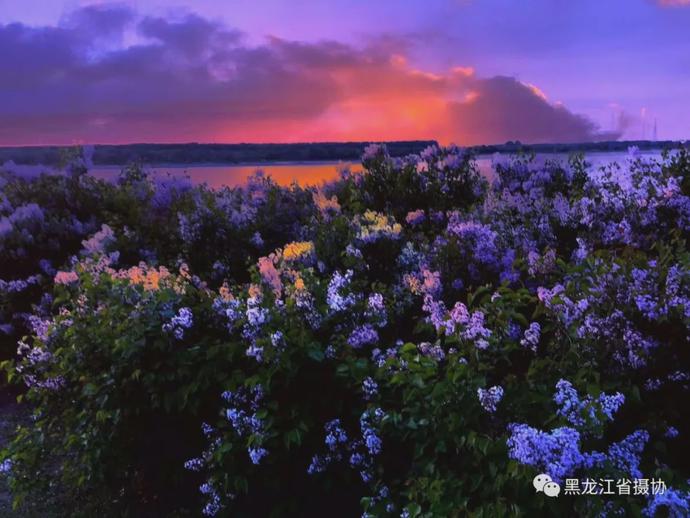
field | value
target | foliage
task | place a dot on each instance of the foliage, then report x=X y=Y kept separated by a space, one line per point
x=408 y=341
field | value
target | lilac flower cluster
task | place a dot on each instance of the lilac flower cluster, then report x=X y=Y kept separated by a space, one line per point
x=432 y=351
x=256 y=316
x=243 y=406
x=603 y=251
x=415 y=217
x=481 y=239
x=363 y=335
x=490 y=398
x=336 y=439
x=476 y=331
x=336 y=300
x=581 y=412
x=229 y=309
x=376 y=310
x=531 y=338
x=675 y=503
x=370 y=388
x=556 y=453
x=470 y=327
x=178 y=323
x=99 y=242
x=19 y=285
x=625 y=455
x=360 y=452
x=380 y=357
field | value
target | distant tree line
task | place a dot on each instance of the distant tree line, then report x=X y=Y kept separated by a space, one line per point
x=604 y=146
x=251 y=153
x=209 y=153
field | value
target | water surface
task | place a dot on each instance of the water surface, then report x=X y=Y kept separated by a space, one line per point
x=315 y=173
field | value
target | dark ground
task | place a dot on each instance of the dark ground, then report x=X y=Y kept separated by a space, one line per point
x=12 y=414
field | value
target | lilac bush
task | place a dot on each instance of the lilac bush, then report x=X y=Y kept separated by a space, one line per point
x=404 y=341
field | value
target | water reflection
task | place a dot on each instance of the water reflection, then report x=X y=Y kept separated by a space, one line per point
x=216 y=176
x=315 y=173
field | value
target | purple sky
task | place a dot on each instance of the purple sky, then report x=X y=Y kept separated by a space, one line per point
x=468 y=71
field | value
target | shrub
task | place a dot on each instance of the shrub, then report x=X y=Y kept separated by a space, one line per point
x=404 y=341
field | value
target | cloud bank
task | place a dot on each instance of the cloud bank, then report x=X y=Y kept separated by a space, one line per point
x=106 y=74
x=673 y=3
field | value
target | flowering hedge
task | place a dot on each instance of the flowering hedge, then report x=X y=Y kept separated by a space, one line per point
x=409 y=341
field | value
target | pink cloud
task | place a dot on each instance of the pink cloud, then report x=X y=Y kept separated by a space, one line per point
x=193 y=79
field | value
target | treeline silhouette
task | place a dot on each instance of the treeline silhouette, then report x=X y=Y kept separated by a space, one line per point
x=209 y=153
x=195 y=153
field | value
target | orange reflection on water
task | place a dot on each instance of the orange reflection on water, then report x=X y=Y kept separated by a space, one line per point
x=217 y=176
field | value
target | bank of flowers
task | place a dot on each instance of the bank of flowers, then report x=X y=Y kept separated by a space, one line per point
x=413 y=340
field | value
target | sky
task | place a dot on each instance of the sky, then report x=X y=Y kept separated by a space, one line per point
x=461 y=71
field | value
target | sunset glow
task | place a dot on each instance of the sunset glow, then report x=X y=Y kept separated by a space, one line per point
x=102 y=72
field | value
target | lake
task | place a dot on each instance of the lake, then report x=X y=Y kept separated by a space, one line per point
x=314 y=173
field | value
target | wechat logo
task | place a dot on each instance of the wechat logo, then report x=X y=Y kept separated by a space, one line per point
x=544 y=483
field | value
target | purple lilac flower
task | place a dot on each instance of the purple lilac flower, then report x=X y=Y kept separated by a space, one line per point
x=625 y=455
x=610 y=404
x=373 y=151
x=376 y=309
x=490 y=398
x=6 y=466
x=178 y=323
x=213 y=505
x=335 y=434
x=674 y=502
x=475 y=330
x=335 y=299
x=256 y=454
x=353 y=251
x=671 y=432
x=241 y=412
x=513 y=331
x=532 y=335
x=578 y=412
x=556 y=453
x=437 y=312
x=363 y=335
x=432 y=351
x=370 y=388
x=257 y=240
x=195 y=464
x=318 y=464
x=481 y=238
x=367 y=422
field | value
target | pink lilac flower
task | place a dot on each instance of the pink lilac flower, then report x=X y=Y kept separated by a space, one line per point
x=270 y=274
x=66 y=278
x=99 y=242
x=415 y=217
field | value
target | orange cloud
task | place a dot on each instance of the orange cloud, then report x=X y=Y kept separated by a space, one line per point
x=197 y=80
